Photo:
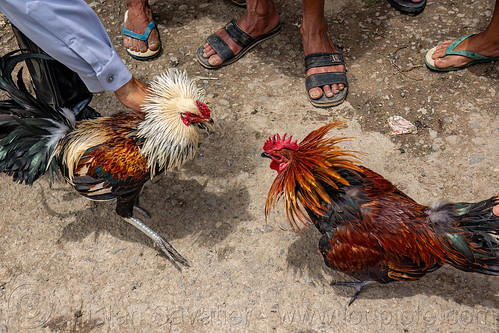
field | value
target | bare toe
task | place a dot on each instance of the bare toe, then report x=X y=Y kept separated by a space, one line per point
x=329 y=91
x=208 y=51
x=440 y=50
x=315 y=93
x=215 y=60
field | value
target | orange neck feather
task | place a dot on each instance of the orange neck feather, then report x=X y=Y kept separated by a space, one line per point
x=316 y=161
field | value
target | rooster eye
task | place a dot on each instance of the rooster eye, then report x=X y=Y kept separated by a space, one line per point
x=188 y=118
x=278 y=158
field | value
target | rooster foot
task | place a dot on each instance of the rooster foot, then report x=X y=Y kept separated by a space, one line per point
x=358 y=285
x=160 y=242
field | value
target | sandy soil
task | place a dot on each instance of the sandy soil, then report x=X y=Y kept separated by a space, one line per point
x=70 y=265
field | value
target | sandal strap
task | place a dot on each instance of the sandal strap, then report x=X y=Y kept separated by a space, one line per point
x=240 y=37
x=469 y=54
x=323 y=79
x=220 y=47
x=323 y=59
x=138 y=36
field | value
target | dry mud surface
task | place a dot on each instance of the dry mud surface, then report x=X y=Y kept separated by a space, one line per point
x=70 y=265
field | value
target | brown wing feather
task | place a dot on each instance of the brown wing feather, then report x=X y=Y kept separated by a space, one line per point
x=402 y=228
x=112 y=164
x=118 y=156
x=353 y=252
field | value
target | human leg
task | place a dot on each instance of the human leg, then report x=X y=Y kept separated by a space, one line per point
x=316 y=40
x=260 y=18
x=484 y=44
x=137 y=20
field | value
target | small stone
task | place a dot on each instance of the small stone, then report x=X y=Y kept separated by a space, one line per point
x=452 y=139
x=390 y=103
x=174 y=61
x=433 y=133
x=183 y=7
x=476 y=158
x=268 y=228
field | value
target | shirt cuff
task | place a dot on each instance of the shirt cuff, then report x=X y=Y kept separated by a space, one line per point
x=112 y=76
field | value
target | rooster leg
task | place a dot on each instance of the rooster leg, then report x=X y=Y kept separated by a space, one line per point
x=159 y=241
x=136 y=208
x=358 y=285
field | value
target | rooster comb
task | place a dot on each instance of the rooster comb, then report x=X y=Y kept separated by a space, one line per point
x=278 y=143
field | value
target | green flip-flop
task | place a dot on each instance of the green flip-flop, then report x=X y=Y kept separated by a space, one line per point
x=477 y=58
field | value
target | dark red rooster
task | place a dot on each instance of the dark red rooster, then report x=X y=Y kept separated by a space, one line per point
x=371 y=230
x=104 y=158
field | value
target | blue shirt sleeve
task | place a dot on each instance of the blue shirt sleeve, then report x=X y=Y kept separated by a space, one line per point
x=72 y=33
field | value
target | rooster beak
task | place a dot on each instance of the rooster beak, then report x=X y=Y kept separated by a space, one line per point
x=209 y=121
x=205 y=124
x=264 y=154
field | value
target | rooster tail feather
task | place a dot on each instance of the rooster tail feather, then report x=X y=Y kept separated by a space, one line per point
x=30 y=129
x=470 y=233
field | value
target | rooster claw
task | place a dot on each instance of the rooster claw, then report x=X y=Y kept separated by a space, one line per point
x=358 y=285
x=160 y=242
x=171 y=253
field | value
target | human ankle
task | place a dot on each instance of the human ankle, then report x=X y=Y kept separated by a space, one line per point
x=313 y=29
x=484 y=43
x=264 y=9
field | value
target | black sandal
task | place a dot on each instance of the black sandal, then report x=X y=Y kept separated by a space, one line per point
x=408 y=7
x=322 y=79
x=242 y=39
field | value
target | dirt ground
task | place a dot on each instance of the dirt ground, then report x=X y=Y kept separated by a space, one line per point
x=70 y=265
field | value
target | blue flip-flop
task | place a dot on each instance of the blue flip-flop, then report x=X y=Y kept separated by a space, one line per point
x=477 y=58
x=149 y=54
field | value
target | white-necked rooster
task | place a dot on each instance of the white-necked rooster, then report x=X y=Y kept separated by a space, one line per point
x=104 y=158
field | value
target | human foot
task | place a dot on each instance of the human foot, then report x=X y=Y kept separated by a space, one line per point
x=259 y=23
x=316 y=41
x=478 y=47
x=139 y=21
